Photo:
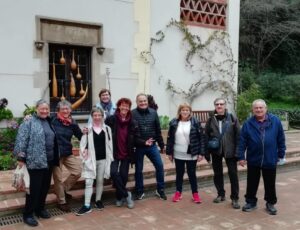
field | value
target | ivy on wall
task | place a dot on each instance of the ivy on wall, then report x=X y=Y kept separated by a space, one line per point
x=211 y=62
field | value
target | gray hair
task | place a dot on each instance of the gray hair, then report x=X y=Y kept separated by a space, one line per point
x=62 y=104
x=141 y=94
x=219 y=99
x=259 y=101
x=97 y=109
x=40 y=102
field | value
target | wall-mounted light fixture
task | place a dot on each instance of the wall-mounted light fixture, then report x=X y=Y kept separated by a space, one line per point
x=39 y=45
x=100 y=50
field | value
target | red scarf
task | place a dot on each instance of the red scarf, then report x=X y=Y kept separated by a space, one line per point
x=66 y=121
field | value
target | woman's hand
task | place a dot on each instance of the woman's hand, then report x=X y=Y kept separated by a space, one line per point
x=85 y=154
x=85 y=130
x=200 y=157
x=171 y=158
x=27 y=117
x=20 y=164
x=242 y=163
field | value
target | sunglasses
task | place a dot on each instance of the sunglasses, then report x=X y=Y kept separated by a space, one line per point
x=219 y=104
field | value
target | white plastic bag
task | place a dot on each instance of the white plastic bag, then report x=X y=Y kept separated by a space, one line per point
x=21 y=179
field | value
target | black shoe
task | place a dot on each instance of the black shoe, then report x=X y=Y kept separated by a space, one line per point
x=64 y=207
x=161 y=194
x=43 y=214
x=271 y=209
x=99 y=205
x=249 y=207
x=219 y=199
x=68 y=196
x=84 y=210
x=235 y=204
x=139 y=196
x=30 y=221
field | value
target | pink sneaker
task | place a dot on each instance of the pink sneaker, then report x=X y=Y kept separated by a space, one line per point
x=196 y=198
x=177 y=197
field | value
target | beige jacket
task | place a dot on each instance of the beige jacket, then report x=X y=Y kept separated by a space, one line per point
x=89 y=164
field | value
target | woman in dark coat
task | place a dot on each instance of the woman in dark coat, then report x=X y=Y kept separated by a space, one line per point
x=185 y=144
x=125 y=134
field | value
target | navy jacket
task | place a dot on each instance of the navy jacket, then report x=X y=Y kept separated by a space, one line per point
x=263 y=149
x=64 y=135
x=149 y=126
x=197 y=141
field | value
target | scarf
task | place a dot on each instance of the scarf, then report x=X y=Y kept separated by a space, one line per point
x=106 y=106
x=122 y=136
x=65 y=121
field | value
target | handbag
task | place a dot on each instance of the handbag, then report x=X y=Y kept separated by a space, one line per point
x=214 y=143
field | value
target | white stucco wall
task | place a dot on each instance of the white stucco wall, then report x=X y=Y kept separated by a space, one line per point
x=20 y=62
x=128 y=26
x=171 y=52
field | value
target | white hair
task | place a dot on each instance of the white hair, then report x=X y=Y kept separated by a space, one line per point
x=261 y=101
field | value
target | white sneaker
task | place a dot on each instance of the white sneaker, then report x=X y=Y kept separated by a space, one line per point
x=130 y=203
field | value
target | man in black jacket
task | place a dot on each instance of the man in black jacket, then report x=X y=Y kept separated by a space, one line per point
x=150 y=132
x=225 y=127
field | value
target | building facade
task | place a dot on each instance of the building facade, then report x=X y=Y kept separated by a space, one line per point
x=72 y=49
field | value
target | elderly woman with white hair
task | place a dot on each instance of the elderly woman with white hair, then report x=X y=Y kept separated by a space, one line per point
x=97 y=154
x=36 y=147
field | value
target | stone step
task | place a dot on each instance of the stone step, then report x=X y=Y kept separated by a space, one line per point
x=15 y=204
x=8 y=192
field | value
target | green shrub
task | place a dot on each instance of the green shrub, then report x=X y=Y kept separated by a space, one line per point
x=280 y=87
x=245 y=100
x=5 y=114
x=7 y=161
x=246 y=78
x=7 y=140
x=164 y=122
x=293 y=116
x=29 y=110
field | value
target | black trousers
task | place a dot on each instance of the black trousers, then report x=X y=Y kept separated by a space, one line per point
x=253 y=177
x=119 y=173
x=219 y=177
x=40 y=180
x=191 y=171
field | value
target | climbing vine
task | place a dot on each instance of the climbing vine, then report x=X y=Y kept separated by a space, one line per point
x=211 y=73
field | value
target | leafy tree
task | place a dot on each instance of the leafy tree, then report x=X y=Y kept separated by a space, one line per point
x=269 y=31
x=245 y=100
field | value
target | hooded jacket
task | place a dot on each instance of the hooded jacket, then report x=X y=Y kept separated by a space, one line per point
x=262 y=148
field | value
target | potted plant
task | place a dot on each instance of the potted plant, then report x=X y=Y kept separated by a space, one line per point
x=164 y=125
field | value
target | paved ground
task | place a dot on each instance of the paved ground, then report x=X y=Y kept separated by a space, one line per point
x=153 y=213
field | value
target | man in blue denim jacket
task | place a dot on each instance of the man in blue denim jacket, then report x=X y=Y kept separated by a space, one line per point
x=263 y=140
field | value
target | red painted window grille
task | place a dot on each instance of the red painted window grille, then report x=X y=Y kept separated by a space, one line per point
x=206 y=13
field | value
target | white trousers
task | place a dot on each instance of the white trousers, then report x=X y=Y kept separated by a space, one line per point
x=100 y=168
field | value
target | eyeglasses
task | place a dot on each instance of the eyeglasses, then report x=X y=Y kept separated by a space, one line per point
x=219 y=104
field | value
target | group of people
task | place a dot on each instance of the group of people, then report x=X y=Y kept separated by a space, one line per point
x=117 y=137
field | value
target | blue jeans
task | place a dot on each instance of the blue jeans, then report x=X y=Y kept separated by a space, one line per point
x=154 y=156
